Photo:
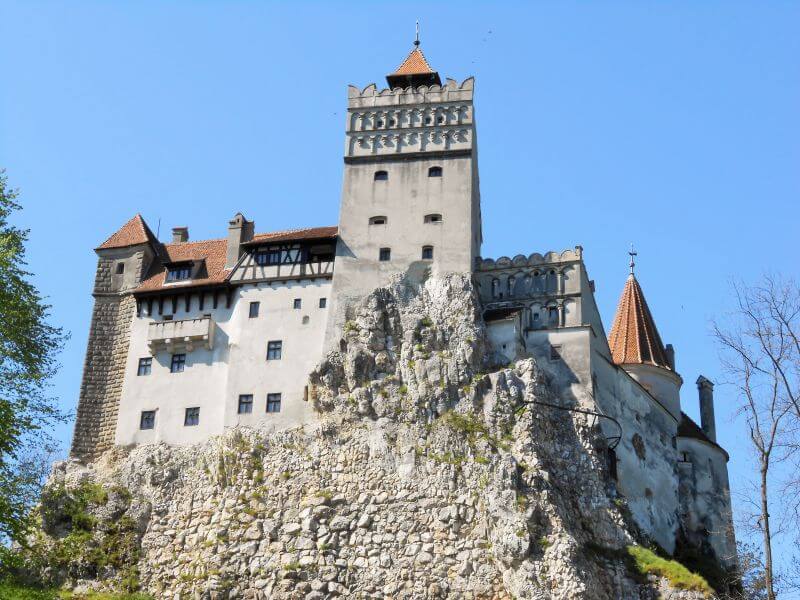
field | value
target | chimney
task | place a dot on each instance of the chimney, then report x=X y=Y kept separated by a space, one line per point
x=180 y=235
x=240 y=230
x=705 y=391
x=670 y=352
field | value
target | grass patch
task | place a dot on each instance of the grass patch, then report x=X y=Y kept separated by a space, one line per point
x=648 y=562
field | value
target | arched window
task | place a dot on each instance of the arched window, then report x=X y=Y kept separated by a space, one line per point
x=379 y=220
x=427 y=253
x=433 y=218
x=435 y=172
x=552 y=315
x=381 y=175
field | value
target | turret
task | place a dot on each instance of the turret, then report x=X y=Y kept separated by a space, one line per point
x=636 y=346
x=705 y=392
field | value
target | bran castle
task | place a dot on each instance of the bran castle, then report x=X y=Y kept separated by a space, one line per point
x=189 y=338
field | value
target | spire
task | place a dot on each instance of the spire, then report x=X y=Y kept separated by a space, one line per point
x=133 y=233
x=414 y=70
x=634 y=337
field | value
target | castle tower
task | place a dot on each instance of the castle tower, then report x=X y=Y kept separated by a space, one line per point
x=410 y=195
x=123 y=260
x=636 y=346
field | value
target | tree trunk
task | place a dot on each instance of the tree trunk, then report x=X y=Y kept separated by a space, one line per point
x=767 y=537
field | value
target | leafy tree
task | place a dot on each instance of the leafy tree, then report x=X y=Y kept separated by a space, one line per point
x=28 y=349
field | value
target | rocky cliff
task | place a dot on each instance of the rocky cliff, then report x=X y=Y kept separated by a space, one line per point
x=431 y=473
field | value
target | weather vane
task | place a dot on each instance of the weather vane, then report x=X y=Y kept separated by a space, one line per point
x=416 y=41
x=632 y=253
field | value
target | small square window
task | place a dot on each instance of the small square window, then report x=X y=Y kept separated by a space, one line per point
x=145 y=366
x=178 y=363
x=245 y=404
x=274 y=350
x=298 y=304
x=147 y=420
x=192 y=417
x=254 y=306
x=273 y=403
x=555 y=352
x=120 y=268
x=435 y=172
x=381 y=175
x=427 y=253
x=385 y=254
x=323 y=302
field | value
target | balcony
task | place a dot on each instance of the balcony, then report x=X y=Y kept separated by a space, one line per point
x=184 y=335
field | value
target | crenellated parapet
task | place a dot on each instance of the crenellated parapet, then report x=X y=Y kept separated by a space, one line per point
x=547 y=287
x=410 y=120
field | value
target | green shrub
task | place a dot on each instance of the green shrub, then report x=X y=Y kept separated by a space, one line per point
x=648 y=562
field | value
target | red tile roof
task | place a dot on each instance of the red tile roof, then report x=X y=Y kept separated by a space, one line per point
x=634 y=337
x=308 y=233
x=133 y=233
x=213 y=254
x=414 y=64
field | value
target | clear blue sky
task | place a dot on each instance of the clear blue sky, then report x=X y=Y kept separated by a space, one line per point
x=671 y=125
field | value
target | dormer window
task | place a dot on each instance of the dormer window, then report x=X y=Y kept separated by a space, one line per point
x=435 y=172
x=179 y=272
x=379 y=220
x=381 y=175
x=433 y=218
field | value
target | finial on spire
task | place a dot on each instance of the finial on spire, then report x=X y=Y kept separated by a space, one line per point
x=632 y=254
x=416 y=41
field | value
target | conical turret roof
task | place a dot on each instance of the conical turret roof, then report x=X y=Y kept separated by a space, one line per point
x=414 y=71
x=634 y=338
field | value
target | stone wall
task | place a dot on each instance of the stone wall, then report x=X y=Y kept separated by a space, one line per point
x=430 y=473
x=106 y=353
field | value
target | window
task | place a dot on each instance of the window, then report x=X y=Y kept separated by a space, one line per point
x=254 y=309
x=434 y=218
x=323 y=302
x=268 y=257
x=145 y=365
x=245 y=404
x=192 y=417
x=435 y=172
x=427 y=253
x=381 y=175
x=392 y=122
x=178 y=363
x=611 y=456
x=273 y=403
x=120 y=268
x=440 y=119
x=378 y=220
x=298 y=304
x=428 y=120
x=306 y=320
x=179 y=273
x=385 y=254
x=274 y=350
x=535 y=316
x=552 y=315
x=555 y=352
x=379 y=123
x=147 y=420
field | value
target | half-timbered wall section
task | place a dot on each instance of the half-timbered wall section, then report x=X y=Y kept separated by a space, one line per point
x=284 y=261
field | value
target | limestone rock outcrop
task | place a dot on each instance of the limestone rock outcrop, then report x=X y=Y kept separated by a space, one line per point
x=432 y=472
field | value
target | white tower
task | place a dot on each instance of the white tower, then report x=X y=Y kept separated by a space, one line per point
x=410 y=197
